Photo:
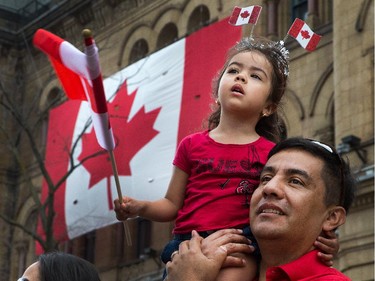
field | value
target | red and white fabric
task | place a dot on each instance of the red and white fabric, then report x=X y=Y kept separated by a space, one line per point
x=241 y=16
x=304 y=35
x=80 y=76
x=152 y=104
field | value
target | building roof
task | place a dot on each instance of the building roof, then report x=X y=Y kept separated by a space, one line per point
x=20 y=19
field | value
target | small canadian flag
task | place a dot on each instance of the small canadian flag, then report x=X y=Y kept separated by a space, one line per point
x=246 y=15
x=304 y=35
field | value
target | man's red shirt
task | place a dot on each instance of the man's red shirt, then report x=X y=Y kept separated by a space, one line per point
x=306 y=268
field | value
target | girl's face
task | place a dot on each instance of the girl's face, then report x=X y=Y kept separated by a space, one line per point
x=246 y=84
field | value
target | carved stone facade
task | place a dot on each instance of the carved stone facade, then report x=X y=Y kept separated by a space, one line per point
x=330 y=96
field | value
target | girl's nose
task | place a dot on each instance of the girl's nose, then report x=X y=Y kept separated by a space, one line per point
x=241 y=78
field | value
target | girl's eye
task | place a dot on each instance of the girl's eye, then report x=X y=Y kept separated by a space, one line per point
x=232 y=70
x=256 y=76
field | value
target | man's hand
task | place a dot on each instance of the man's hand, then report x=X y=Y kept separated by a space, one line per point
x=190 y=264
x=233 y=241
x=201 y=259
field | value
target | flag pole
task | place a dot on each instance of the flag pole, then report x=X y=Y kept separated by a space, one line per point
x=94 y=72
x=115 y=174
x=118 y=187
x=286 y=36
x=251 y=30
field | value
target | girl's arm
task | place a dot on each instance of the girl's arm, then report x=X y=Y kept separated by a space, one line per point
x=328 y=245
x=161 y=210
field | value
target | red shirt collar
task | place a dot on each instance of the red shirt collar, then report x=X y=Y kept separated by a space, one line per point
x=306 y=266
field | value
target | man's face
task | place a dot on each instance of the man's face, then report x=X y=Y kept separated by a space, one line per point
x=289 y=200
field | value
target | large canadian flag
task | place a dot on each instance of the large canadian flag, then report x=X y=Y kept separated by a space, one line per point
x=152 y=105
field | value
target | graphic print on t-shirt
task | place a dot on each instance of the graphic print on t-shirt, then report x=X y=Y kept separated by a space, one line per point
x=241 y=175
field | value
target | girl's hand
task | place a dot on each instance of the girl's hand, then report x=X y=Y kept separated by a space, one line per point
x=328 y=246
x=129 y=208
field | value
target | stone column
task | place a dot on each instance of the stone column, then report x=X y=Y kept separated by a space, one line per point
x=272 y=19
x=353 y=55
x=353 y=70
x=313 y=13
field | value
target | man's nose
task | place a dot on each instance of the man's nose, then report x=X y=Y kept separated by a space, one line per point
x=273 y=188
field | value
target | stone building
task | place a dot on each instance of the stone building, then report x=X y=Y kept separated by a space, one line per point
x=330 y=97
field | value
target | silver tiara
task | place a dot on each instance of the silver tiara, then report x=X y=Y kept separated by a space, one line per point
x=283 y=62
x=276 y=49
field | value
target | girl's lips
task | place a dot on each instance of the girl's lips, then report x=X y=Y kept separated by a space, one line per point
x=238 y=89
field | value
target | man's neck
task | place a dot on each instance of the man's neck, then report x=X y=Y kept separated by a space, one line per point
x=276 y=254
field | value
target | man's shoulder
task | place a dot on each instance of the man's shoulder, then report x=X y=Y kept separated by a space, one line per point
x=331 y=274
x=309 y=267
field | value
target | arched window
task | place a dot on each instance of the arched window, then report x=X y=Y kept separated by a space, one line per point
x=167 y=35
x=55 y=97
x=198 y=18
x=138 y=51
x=299 y=9
x=50 y=99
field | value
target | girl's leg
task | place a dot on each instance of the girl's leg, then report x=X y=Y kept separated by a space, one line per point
x=245 y=273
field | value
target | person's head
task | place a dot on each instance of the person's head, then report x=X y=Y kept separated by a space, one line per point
x=56 y=266
x=272 y=57
x=305 y=188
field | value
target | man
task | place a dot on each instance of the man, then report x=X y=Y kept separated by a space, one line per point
x=305 y=189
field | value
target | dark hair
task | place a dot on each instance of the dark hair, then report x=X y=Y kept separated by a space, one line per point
x=58 y=266
x=271 y=126
x=339 y=182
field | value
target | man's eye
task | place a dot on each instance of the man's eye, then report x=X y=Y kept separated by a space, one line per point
x=265 y=179
x=296 y=181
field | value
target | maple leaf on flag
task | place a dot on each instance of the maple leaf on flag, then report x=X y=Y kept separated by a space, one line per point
x=130 y=135
x=245 y=14
x=305 y=34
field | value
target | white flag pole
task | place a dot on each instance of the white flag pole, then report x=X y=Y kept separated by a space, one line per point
x=286 y=36
x=115 y=174
x=251 y=31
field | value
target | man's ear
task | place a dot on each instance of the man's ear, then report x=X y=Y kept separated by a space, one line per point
x=336 y=217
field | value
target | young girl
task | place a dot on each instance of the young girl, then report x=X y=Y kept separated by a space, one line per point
x=216 y=171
